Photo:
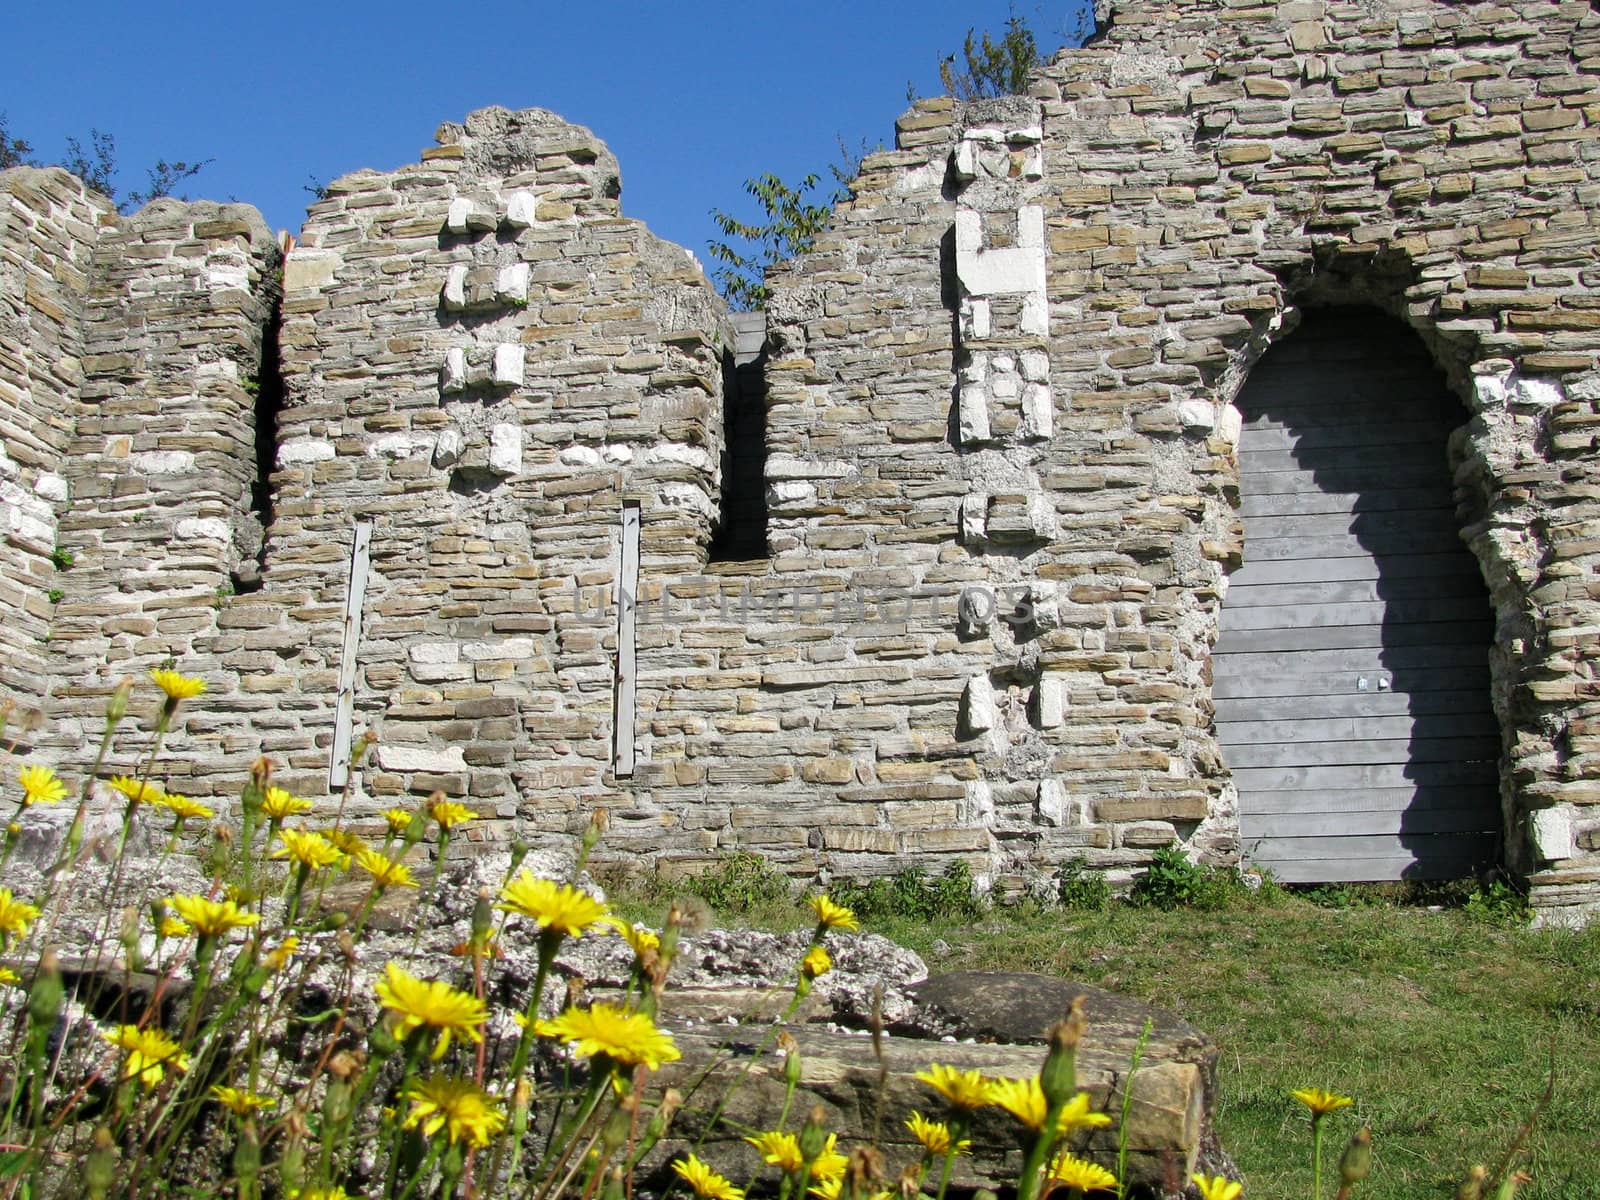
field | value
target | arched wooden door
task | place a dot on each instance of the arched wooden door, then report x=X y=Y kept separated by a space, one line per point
x=1351 y=676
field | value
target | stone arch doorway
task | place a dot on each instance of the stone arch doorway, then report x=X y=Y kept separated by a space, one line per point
x=1351 y=675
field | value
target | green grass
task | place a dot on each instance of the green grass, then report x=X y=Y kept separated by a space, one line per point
x=1442 y=1024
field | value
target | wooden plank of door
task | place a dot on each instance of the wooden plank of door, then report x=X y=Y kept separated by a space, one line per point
x=350 y=642
x=625 y=716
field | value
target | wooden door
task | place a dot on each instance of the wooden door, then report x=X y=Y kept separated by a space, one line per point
x=1351 y=676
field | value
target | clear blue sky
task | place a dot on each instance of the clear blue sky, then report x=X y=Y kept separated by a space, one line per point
x=692 y=97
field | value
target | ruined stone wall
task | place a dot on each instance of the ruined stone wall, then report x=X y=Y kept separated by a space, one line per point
x=484 y=360
x=1000 y=454
x=49 y=224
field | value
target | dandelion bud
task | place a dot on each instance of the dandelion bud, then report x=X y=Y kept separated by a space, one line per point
x=791 y=1058
x=519 y=851
x=100 y=1165
x=614 y=1184
x=1508 y=1186
x=292 y=1163
x=671 y=1102
x=482 y=917
x=129 y=937
x=598 y=823
x=864 y=1169
x=1059 y=1077
x=359 y=748
x=813 y=1137
x=1356 y=1160
x=1471 y=1188
x=615 y=1134
x=47 y=992
x=117 y=703
x=984 y=1194
x=382 y=1039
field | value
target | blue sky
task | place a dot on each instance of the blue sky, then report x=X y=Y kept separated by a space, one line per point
x=692 y=97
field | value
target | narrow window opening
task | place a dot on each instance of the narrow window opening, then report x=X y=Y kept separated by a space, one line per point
x=742 y=528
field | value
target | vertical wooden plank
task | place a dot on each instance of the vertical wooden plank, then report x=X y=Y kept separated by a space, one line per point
x=627 y=606
x=355 y=593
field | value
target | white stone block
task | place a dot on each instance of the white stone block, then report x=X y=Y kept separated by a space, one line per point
x=794 y=491
x=453 y=375
x=307 y=270
x=979 y=804
x=455 y=288
x=1030 y=227
x=1489 y=391
x=619 y=454
x=580 y=456
x=1003 y=385
x=296 y=451
x=511 y=284
x=1050 y=702
x=521 y=209
x=792 y=466
x=52 y=487
x=1552 y=833
x=1052 y=804
x=680 y=454
x=204 y=528
x=508 y=363
x=1035 y=366
x=964 y=159
x=456 y=219
x=162 y=462
x=1042 y=516
x=505 y=648
x=978 y=318
x=434 y=652
x=505 y=449
x=8 y=465
x=1198 y=416
x=399 y=445
x=447 y=450
x=974 y=518
x=1230 y=424
x=420 y=758
x=1541 y=392
x=227 y=274
x=977 y=705
x=1035 y=318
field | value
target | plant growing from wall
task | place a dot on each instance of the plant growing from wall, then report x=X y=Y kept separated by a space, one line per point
x=96 y=165
x=991 y=67
x=789 y=226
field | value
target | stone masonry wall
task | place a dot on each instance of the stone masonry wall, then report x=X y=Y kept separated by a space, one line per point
x=49 y=224
x=1000 y=453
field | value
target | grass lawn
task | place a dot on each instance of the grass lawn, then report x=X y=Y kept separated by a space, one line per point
x=1442 y=1026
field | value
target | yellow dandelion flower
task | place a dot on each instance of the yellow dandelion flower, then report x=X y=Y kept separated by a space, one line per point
x=212 y=917
x=963 y=1089
x=777 y=1149
x=150 y=1052
x=556 y=906
x=1321 y=1103
x=280 y=804
x=136 y=790
x=321 y=1193
x=16 y=915
x=620 y=1034
x=705 y=1182
x=399 y=820
x=935 y=1136
x=345 y=841
x=829 y=1163
x=171 y=927
x=640 y=940
x=834 y=916
x=40 y=786
x=435 y=1004
x=449 y=814
x=1217 y=1187
x=181 y=807
x=815 y=963
x=178 y=686
x=8 y=976
x=1024 y=1099
x=239 y=1101
x=278 y=957
x=309 y=850
x=1072 y=1172
x=385 y=871
x=828 y=1189
x=460 y=1107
